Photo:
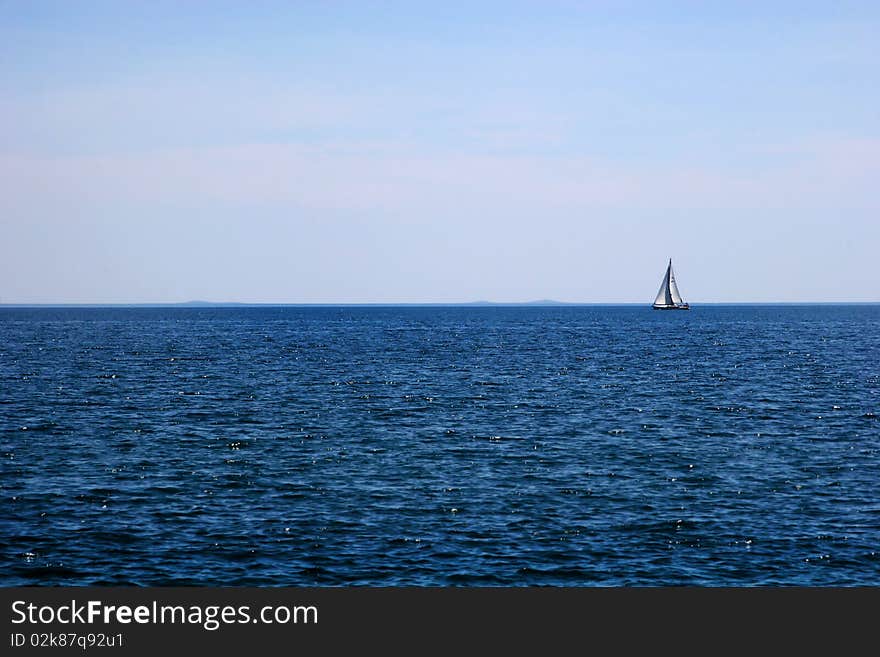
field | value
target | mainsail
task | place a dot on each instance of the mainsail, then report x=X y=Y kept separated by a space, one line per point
x=673 y=288
x=668 y=296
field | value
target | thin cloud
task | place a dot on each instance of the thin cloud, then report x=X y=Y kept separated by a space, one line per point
x=831 y=174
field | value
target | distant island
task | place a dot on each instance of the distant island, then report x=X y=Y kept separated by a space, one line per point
x=539 y=302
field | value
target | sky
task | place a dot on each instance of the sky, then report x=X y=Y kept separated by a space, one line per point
x=406 y=152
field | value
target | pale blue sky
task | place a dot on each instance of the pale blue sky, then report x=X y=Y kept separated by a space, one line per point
x=438 y=152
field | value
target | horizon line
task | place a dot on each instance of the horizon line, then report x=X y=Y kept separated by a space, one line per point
x=453 y=304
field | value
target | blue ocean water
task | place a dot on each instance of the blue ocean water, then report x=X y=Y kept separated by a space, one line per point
x=573 y=445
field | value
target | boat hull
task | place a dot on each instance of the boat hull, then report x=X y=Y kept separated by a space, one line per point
x=682 y=306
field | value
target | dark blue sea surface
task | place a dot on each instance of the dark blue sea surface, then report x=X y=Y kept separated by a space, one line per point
x=577 y=446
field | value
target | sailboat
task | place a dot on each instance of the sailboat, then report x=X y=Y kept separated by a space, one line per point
x=669 y=298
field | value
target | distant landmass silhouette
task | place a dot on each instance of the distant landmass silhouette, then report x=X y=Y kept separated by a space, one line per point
x=537 y=302
x=198 y=303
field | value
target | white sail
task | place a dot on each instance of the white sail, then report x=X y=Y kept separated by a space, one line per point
x=663 y=298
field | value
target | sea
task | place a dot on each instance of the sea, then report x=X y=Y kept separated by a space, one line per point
x=576 y=446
